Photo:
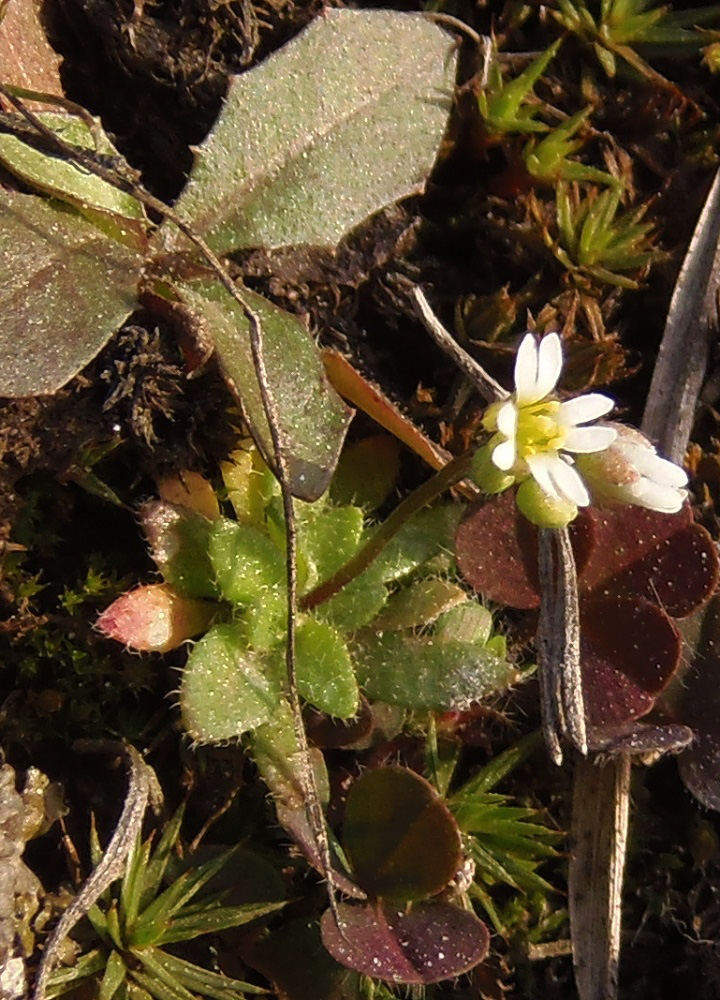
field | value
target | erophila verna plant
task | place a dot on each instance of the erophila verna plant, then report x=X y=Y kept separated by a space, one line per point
x=559 y=456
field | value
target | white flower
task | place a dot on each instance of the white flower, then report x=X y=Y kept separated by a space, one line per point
x=535 y=435
x=632 y=472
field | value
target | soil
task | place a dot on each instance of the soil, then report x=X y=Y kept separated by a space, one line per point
x=74 y=466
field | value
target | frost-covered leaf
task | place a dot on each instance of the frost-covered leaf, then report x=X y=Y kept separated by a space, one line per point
x=344 y=119
x=26 y=57
x=68 y=181
x=427 y=673
x=313 y=419
x=65 y=288
x=226 y=689
x=325 y=675
x=392 y=815
x=431 y=942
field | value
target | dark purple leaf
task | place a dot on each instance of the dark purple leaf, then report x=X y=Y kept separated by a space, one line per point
x=433 y=941
x=496 y=550
x=679 y=573
x=629 y=651
x=330 y=733
x=392 y=817
x=698 y=705
x=293 y=959
x=641 y=738
x=623 y=536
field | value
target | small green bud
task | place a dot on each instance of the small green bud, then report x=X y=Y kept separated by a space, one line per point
x=486 y=474
x=543 y=510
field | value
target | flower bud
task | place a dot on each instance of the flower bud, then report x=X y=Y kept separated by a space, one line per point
x=631 y=472
x=486 y=474
x=542 y=509
x=155 y=618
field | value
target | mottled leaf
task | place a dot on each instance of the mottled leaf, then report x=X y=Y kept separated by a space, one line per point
x=65 y=288
x=428 y=673
x=392 y=814
x=226 y=688
x=431 y=942
x=312 y=417
x=344 y=119
x=697 y=703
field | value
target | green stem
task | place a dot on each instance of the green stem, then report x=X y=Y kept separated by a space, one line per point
x=448 y=476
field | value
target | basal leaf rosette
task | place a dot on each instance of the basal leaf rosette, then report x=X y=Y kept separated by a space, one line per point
x=637 y=570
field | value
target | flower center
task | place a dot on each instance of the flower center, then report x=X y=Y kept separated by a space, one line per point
x=538 y=430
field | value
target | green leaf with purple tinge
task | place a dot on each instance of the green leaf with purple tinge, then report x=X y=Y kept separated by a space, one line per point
x=344 y=119
x=312 y=417
x=431 y=942
x=391 y=818
x=65 y=288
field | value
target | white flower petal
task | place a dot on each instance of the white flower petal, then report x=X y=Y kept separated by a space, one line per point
x=568 y=483
x=589 y=439
x=584 y=408
x=558 y=478
x=507 y=419
x=648 y=463
x=550 y=362
x=539 y=466
x=526 y=370
x=655 y=496
x=503 y=455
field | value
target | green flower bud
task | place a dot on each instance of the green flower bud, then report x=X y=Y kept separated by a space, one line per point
x=486 y=474
x=542 y=509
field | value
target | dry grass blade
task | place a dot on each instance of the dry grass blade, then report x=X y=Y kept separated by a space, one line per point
x=597 y=860
x=143 y=789
x=690 y=323
x=601 y=794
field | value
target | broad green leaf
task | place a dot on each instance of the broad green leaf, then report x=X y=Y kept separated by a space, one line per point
x=325 y=675
x=424 y=536
x=425 y=673
x=312 y=417
x=226 y=689
x=70 y=182
x=179 y=541
x=65 y=288
x=419 y=604
x=245 y=562
x=392 y=816
x=344 y=119
x=328 y=537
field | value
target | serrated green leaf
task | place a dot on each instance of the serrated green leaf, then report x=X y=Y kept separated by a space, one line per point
x=312 y=417
x=344 y=119
x=325 y=675
x=65 y=288
x=226 y=688
x=419 y=604
x=245 y=563
x=424 y=673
